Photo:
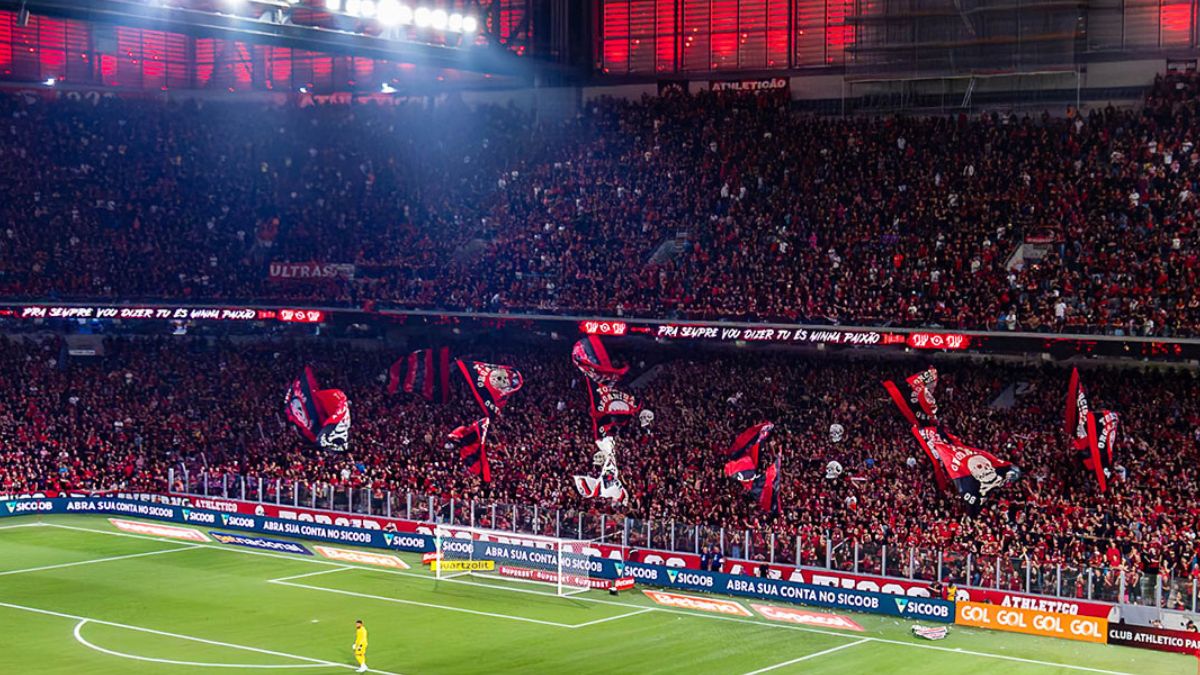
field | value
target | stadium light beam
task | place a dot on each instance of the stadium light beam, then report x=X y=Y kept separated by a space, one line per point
x=455 y=22
x=353 y=8
x=438 y=19
x=470 y=25
x=333 y=5
x=367 y=9
x=389 y=12
x=422 y=17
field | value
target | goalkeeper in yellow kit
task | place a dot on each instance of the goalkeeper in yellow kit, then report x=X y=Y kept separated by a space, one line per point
x=360 y=645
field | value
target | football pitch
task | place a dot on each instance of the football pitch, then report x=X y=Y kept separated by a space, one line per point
x=77 y=595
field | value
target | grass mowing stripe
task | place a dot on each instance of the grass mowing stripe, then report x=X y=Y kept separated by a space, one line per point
x=96 y=560
x=716 y=617
x=179 y=636
x=809 y=656
x=172 y=662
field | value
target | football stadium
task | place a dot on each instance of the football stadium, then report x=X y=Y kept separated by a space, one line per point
x=427 y=337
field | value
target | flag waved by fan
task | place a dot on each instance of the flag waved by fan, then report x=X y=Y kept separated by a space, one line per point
x=425 y=372
x=608 y=484
x=471 y=442
x=490 y=384
x=1092 y=433
x=744 y=452
x=921 y=387
x=322 y=416
x=590 y=357
x=610 y=408
x=974 y=472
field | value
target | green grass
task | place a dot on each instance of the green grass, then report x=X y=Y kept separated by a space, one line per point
x=166 y=606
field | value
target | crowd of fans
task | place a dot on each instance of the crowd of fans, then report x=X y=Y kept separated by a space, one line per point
x=121 y=421
x=778 y=215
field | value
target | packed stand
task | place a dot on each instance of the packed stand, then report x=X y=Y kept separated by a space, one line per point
x=776 y=215
x=124 y=420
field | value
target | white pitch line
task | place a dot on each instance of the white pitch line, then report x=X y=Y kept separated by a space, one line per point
x=715 y=617
x=13 y=527
x=172 y=662
x=180 y=636
x=448 y=608
x=96 y=560
x=613 y=618
x=310 y=574
x=809 y=656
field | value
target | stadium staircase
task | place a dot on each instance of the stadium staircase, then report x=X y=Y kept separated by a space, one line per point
x=669 y=249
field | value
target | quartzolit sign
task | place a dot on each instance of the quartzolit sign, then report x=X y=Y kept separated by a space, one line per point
x=1032 y=622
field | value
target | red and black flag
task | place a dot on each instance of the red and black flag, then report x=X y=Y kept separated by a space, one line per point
x=610 y=408
x=743 y=454
x=920 y=394
x=1077 y=413
x=974 y=472
x=425 y=372
x=1093 y=433
x=471 y=442
x=591 y=357
x=1102 y=437
x=764 y=489
x=491 y=385
x=926 y=438
x=322 y=416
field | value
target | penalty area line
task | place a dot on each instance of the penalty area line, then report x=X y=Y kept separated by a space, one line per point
x=809 y=656
x=179 y=636
x=417 y=603
x=172 y=662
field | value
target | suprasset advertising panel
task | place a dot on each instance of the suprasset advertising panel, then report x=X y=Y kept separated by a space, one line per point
x=1159 y=639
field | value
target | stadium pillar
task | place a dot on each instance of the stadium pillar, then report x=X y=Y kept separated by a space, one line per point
x=722 y=541
x=558 y=523
x=672 y=534
x=798 y=549
x=883 y=568
x=1158 y=591
x=603 y=523
x=828 y=552
x=625 y=534
x=225 y=485
x=649 y=526
x=967 y=577
x=746 y=543
x=1058 y=581
x=1121 y=586
x=1028 y=571
x=171 y=478
x=579 y=526
x=772 y=556
x=856 y=556
x=387 y=506
x=996 y=577
x=939 y=573
x=1089 y=591
x=1193 y=595
x=278 y=491
x=450 y=516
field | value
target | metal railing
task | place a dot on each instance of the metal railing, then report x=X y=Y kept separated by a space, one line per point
x=1017 y=574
